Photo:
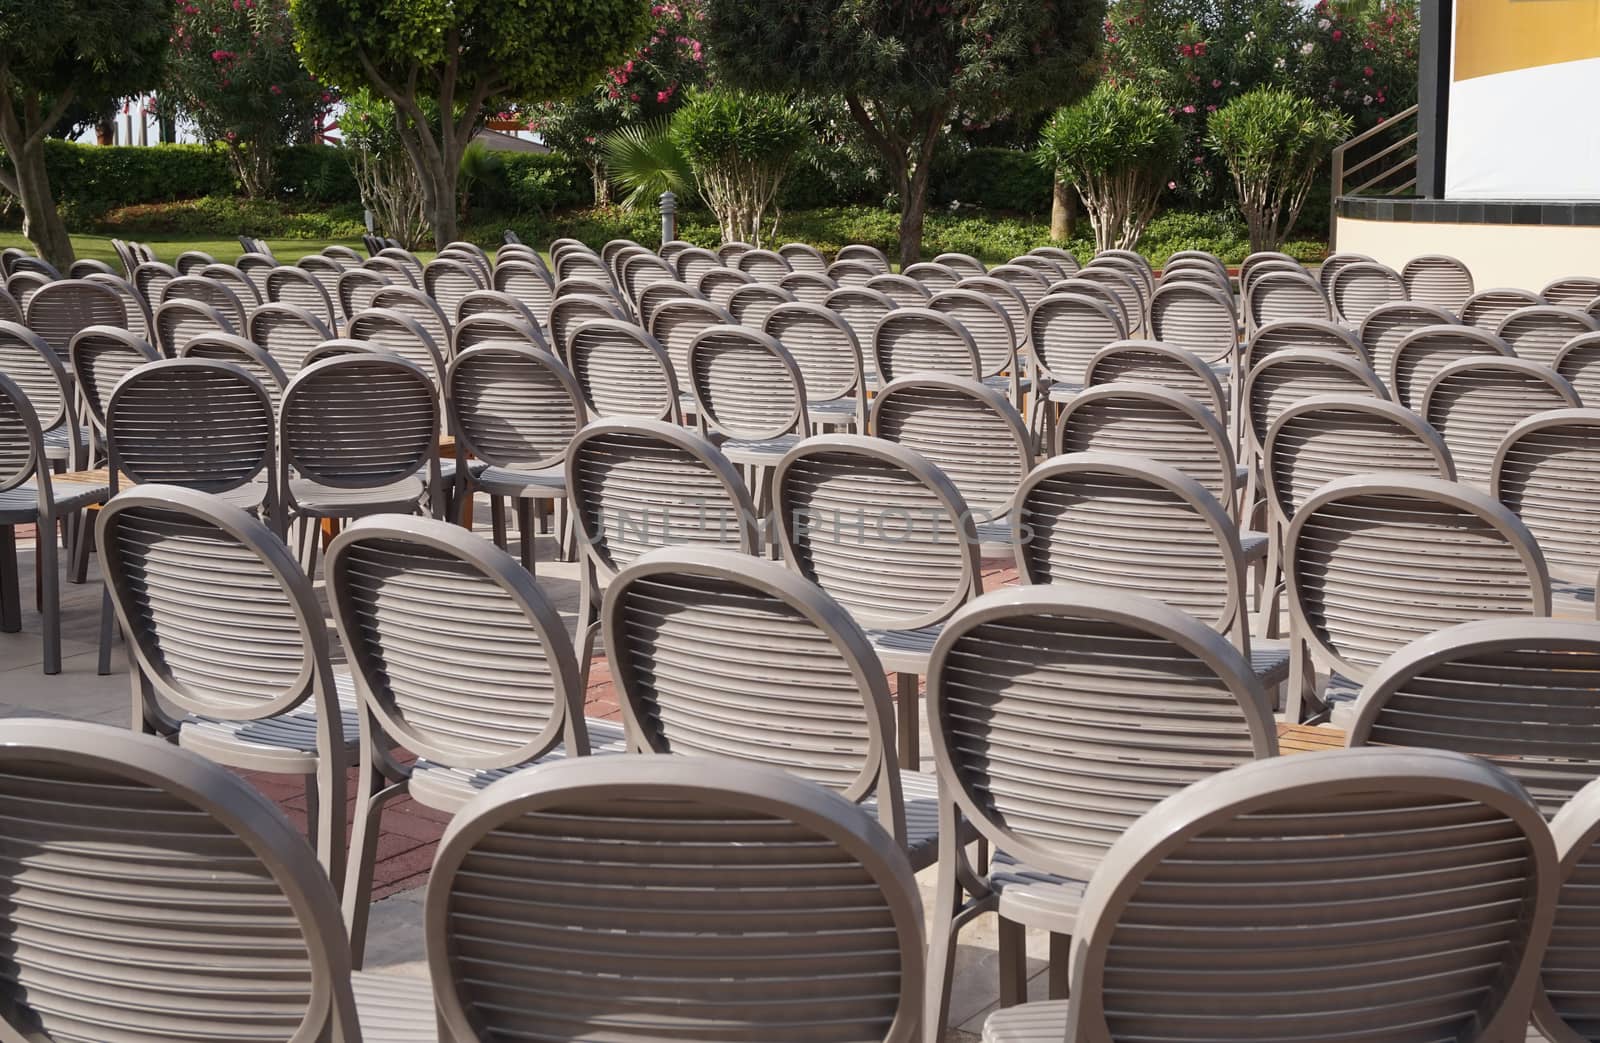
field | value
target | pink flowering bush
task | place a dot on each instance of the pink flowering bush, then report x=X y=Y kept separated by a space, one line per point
x=232 y=72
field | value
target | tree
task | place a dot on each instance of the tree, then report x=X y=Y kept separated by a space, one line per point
x=906 y=68
x=233 y=73
x=740 y=145
x=53 y=54
x=466 y=57
x=389 y=183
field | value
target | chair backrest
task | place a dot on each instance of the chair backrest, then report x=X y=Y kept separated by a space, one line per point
x=91 y=808
x=1049 y=268
x=1068 y=330
x=494 y=325
x=803 y=258
x=869 y=255
x=764 y=265
x=181 y=319
x=969 y=431
x=1196 y=317
x=623 y=371
x=935 y=277
x=966 y=264
x=1137 y=272
x=23 y=285
x=1457 y=554
x=1439 y=280
x=287 y=332
x=529 y=283
x=812 y=287
x=447 y=281
x=821 y=886
x=1421 y=354
x=676 y=325
x=1066 y=258
x=747 y=385
x=1318 y=439
x=652 y=297
x=21 y=440
x=1285 y=377
x=406 y=259
x=190 y=262
x=133 y=303
x=1579 y=363
x=1521 y=692
x=1563 y=1010
x=356 y=288
x=247 y=355
x=1547 y=470
x=1539 y=332
x=637 y=485
x=750 y=305
x=235 y=280
x=513 y=405
x=993 y=330
x=644 y=270
x=1136 y=525
x=862 y=309
x=568 y=313
x=1153 y=422
x=360 y=421
x=1125 y=285
x=1292 y=334
x=614 y=249
x=1452 y=854
x=718 y=284
x=1152 y=362
x=1027 y=282
x=1388 y=324
x=1358 y=287
x=101 y=356
x=1038 y=680
x=215 y=294
x=38 y=372
x=492 y=302
x=200 y=423
x=167 y=550
x=420 y=307
x=878 y=527
x=580 y=262
x=398 y=332
x=823 y=347
x=1263 y=261
x=741 y=618
x=10 y=309
x=904 y=291
x=921 y=340
x=455 y=650
x=1284 y=295
x=848 y=272
x=1488 y=308
x=254 y=267
x=151 y=279
x=62 y=309
x=1573 y=291
x=694 y=262
x=1474 y=404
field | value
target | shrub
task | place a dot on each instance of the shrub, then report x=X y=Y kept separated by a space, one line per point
x=316 y=174
x=1273 y=143
x=646 y=160
x=1116 y=147
x=90 y=180
x=998 y=178
x=540 y=182
x=740 y=144
x=223 y=217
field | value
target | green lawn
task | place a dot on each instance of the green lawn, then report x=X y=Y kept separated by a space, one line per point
x=227 y=250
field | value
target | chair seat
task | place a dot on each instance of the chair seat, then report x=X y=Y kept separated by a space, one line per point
x=395 y=1008
x=326 y=501
x=58 y=442
x=447 y=469
x=1340 y=696
x=905 y=651
x=1034 y=896
x=548 y=484
x=1041 y=1022
x=919 y=792
x=1001 y=382
x=286 y=743
x=247 y=497
x=757 y=451
x=996 y=533
x=833 y=409
x=1253 y=544
x=1063 y=392
x=21 y=505
x=447 y=789
x=1269 y=661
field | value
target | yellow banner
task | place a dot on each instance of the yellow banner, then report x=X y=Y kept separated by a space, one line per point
x=1504 y=35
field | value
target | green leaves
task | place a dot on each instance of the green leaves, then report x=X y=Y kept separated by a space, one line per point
x=644 y=158
x=1271 y=132
x=1114 y=129
x=733 y=126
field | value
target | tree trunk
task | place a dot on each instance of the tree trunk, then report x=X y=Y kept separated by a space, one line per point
x=913 y=207
x=602 y=185
x=41 y=223
x=1062 y=211
x=441 y=202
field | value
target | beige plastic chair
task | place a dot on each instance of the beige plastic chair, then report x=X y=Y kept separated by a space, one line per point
x=994 y=334
x=749 y=395
x=254 y=268
x=1236 y=943
x=1474 y=404
x=1438 y=280
x=215 y=294
x=476 y=691
x=966 y=264
x=764 y=265
x=581 y=262
x=1125 y=285
x=224 y=628
x=826 y=352
x=1579 y=363
x=676 y=324
x=854 y=271
x=1263 y=261
x=1051 y=744
x=1374 y=561
x=1547 y=470
x=418 y=306
x=1027 y=282
x=718 y=284
x=48 y=385
x=487 y=327
x=1068 y=331
x=101 y=356
x=150 y=278
x=247 y=355
x=921 y=340
x=750 y=305
x=356 y=288
x=400 y=334
x=826 y=942
x=642 y=271
x=529 y=283
x=1539 y=333
x=623 y=372
x=903 y=290
x=492 y=302
x=1165 y=365
x=235 y=280
x=864 y=254
x=1488 y=308
x=652 y=297
x=1049 y=268
x=448 y=280
x=1096 y=291
x=1564 y=1008
x=1197 y=318
x=694 y=262
x=1333 y=264
x=1388 y=324
x=288 y=333
x=1302 y=334
x=803 y=258
x=936 y=277
x=1286 y=377
x=687 y=627
x=1065 y=258
x=1359 y=287
x=1522 y=693
x=133 y=304
x=572 y=311
x=862 y=309
x=1573 y=291
x=1420 y=356
x=810 y=287
x=62 y=309
x=1286 y=294
x=888 y=535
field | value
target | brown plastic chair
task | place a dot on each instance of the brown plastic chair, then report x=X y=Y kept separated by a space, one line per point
x=21 y=286
x=476 y=691
x=1286 y=294
x=826 y=353
x=1564 y=1007
x=804 y=258
x=1263 y=261
x=1474 y=404
x=1302 y=334
x=191 y=262
x=904 y=291
x=447 y=281
x=992 y=318
x=231 y=932
x=529 y=283
x=492 y=302
x=1420 y=356
x=254 y=267
x=488 y=327
x=10 y=309
x=1547 y=470
x=1539 y=333
x=623 y=371
x=1573 y=291
x=1027 y=283
x=580 y=262
x=224 y=628
x=215 y=294
x=1198 y=318
x=1049 y=268
x=643 y=271
x=1579 y=363
x=1333 y=264
x=809 y=287
x=1125 y=285
x=848 y=271
x=1439 y=280
x=1286 y=377
x=419 y=307
x=1358 y=287
x=1488 y=308
x=1522 y=693
x=694 y=262
x=749 y=394
x=687 y=627
x=101 y=356
x=718 y=284
x=1152 y=362
x=402 y=335
x=1388 y=324
x=1067 y=331
x=61 y=310
x=1234 y=941
x=247 y=355
x=1375 y=561
x=825 y=944
x=570 y=312
x=48 y=385
x=151 y=278
x=888 y=535
x=936 y=277
x=235 y=280
x=966 y=264
x=287 y=332
x=1058 y=715
x=652 y=297
x=181 y=319
x=750 y=305
x=133 y=303
x=676 y=324
x=862 y=309
x=864 y=254
x=764 y=265
x=1066 y=258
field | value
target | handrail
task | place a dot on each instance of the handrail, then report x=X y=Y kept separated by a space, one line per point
x=1406 y=149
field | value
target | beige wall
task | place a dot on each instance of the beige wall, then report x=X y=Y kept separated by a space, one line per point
x=1528 y=256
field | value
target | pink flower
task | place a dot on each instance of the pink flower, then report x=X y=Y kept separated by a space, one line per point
x=1367 y=72
x=633 y=97
x=662 y=96
x=1172 y=184
x=1215 y=84
x=275 y=89
x=1187 y=50
x=1188 y=110
x=1211 y=108
x=1338 y=34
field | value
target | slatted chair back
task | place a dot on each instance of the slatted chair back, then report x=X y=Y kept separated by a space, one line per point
x=1035 y=682
x=492 y=302
x=905 y=292
x=671 y=250
x=1328 y=271
x=1301 y=334
x=496 y=326
x=645 y=270
x=356 y=289
x=746 y=385
x=60 y=310
x=1068 y=330
x=39 y=374
x=190 y=262
x=1132 y=260
x=652 y=297
x=579 y=286
x=676 y=325
x=1579 y=363
x=325 y=270
x=151 y=279
x=966 y=264
x=1487 y=309
x=1028 y=283
x=287 y=332
x=847 y=272
x=825 y=887
x=1277 y=295
x=397 y=272
x=133 y=303
x=1049 y=269
x=1124 y=284
x=1286 y=377
x=718 y=284
x=969 y=431
x=638 y=485
x=808 y=286
x=1572 y=291
x=247 y=355
x=623 y=371
x=1388 y=324
x=182 y=318
x=23 y=285
x=22 y=452
x=399 y=333
x=1153 y=422
x=100 y=356
x=343 y=256
x=406 y=259
x=824 y=349
x=750 y=305
x=614 y=248
x=868 y=255
x=920 y=340
x=580 y=262
x=763 y=265
x=568 y=313
x=287 y=284
x=1180 y=258
x=513 y=405
x=1065 y=258
x=448 y=280
x=104 y=806
x=1267 y=260
x=1165 y=365
x=1358 y=287
x=1438 y=280
x=1325 y=437
x=527 y=282
x=254 y=268
x=862 y=309
x=1539 y=333
x=1422 y=354
x=879 y=528
x=804 y=258
x=1457 y=554
x=1547 y=470
x=617 y=259
x=235 y=280
x=1098 y=291
x=992 y=328
x=340 y=347
x=420 y=307
x=1563 y=1010
x=936 y=277
x=10 y=309
x=695 y=262
x=1474 y=404
x=1293 y=829
x=1196 y=317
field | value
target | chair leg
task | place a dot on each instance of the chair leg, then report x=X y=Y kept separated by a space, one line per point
x=327 y=826
x=1060 y=949
x=371 y=798
x=909 y=725
x=107 y=620
x=525 y=533
x=50 y=606
x=1012 y=943
x=80 y=549
x=942 y=931
x=497 y=519
x=1294 y=705
x=10 y=582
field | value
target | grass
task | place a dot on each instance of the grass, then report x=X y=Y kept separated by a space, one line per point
x=225 y=250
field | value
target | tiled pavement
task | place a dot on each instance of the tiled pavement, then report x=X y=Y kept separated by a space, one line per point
x=410 y=832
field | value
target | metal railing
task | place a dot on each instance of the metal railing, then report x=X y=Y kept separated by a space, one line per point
x=1381 y=161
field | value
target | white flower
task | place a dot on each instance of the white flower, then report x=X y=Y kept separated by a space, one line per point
x=1323 y=23
x=1278 y=64
x=1307 y=48
x=1366 y=99
x=955 y=204
x=1250 y=37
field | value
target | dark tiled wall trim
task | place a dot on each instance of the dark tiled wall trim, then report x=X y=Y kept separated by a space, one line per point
x=1473 y=212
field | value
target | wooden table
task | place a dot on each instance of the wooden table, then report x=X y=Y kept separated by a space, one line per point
x=1309 y=738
